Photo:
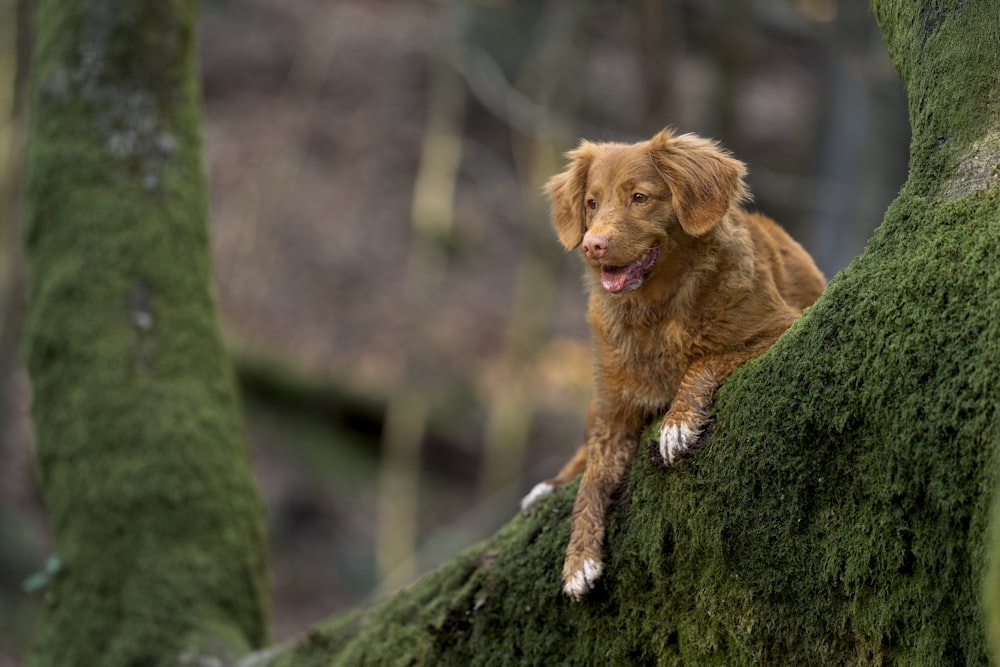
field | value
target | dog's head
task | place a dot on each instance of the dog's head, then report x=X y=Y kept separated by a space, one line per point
x=631 y=205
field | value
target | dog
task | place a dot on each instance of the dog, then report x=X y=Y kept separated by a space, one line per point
x=684 y=286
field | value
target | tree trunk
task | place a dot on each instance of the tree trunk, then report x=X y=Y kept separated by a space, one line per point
x=840 y=513
x=158 y=526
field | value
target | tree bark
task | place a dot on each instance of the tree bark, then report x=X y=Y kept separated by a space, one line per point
x=158 y=525
x=840 y=512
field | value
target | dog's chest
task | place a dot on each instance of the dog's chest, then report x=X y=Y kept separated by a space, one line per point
x=644 y=365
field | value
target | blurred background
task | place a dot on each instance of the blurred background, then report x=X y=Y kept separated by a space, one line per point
x=408 y=334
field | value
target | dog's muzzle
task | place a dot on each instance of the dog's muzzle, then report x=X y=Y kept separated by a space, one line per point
x=619 y=279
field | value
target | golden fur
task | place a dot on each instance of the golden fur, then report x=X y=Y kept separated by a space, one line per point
x=684 y=287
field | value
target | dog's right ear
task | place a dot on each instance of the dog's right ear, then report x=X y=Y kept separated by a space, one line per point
x=566 y=190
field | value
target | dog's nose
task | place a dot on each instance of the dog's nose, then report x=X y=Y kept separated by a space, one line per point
x=595 y=245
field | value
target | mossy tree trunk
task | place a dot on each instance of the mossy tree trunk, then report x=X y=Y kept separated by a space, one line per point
x=840 y=513
x=158 y=525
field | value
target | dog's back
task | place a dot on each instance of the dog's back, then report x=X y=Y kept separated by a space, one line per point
x=797 y=278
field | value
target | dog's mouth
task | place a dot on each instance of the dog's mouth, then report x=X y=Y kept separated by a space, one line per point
x=618 y=279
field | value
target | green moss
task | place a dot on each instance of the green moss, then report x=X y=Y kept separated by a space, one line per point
x=139 y=447
x=946 y=53
x=880 y=468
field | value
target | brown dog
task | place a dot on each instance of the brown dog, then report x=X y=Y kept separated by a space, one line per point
x=684 y=287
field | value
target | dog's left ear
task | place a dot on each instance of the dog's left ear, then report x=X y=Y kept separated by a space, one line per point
x=566 y=191
x=704 y=179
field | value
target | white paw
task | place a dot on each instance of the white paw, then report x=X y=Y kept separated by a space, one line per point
x=674 y=439
x=541 y=490
x=582 y=581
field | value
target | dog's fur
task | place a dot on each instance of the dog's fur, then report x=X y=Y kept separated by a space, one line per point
x=684 y=287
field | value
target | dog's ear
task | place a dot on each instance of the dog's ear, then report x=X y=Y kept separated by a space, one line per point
x=566 y=191
x=704 y=178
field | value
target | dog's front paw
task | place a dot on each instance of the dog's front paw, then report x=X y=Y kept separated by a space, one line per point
x=541 y=490
x=676 y=436
x=579 y=578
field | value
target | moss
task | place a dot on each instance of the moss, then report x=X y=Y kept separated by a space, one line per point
x=879 y=468
x=946 y=53
x=139 y=445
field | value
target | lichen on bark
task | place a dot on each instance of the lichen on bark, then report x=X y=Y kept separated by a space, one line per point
x=977 y=168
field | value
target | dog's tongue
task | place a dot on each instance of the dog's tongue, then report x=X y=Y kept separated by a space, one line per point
x=614 y=279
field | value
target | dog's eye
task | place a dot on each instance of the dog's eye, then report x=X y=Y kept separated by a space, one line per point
x=591 y=203
x=640 y=198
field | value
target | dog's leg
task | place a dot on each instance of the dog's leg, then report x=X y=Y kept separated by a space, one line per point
x=688 y=411
x=609 y=452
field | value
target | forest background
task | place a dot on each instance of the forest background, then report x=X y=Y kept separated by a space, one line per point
x=408 y=336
